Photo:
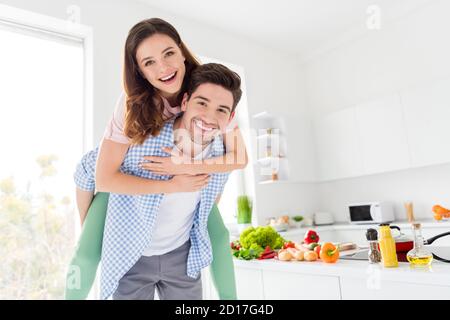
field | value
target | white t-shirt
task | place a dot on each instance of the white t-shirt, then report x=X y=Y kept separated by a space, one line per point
x=114 y=129
x=175 y=218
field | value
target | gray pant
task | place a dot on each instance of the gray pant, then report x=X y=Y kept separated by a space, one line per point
x=165 y=273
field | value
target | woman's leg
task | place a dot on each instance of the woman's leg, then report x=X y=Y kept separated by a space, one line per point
x=83 y=267
x=222 y=267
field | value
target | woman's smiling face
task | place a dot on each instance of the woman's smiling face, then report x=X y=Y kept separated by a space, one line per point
x=161 y=62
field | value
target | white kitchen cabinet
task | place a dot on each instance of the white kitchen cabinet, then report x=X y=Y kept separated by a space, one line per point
x=373 y=288
x=427 y=116
x=406 y=129
x=337 y=146
x=382 y=134
x=249 y=284
x=294 y=286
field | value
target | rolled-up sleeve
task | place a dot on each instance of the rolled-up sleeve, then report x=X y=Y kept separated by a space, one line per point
x=84 y=175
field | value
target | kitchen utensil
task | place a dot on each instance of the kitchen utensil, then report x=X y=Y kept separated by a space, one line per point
x=404 y=243
x=409 y=211
x=346 y=246
x=374 y=254
x=440 y=253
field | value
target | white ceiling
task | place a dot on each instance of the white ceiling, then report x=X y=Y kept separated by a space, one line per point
x=292 y=26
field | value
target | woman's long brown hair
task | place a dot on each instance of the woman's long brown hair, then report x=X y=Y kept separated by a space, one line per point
x=143 y=117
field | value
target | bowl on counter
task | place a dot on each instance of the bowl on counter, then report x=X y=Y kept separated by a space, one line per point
x=296 y=224
x=279 y=227
x=280 y=223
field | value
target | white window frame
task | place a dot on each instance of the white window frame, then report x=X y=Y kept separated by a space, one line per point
x=35 y=22
x=24 y=19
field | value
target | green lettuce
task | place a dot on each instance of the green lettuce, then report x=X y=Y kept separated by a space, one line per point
x=261 y=237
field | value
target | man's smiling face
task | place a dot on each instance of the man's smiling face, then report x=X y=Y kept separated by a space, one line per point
x=207 y=112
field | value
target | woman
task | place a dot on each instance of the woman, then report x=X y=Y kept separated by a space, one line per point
x=156 y=69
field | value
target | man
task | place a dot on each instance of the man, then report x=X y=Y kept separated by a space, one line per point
x=161 y=240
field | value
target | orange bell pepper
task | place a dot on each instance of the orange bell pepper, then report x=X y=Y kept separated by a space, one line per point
x=329 y=253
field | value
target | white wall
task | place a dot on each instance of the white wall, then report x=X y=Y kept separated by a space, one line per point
x=272 y=81
x=408 y=51
x=412 y=50
x=290 y=198
x=424 y=186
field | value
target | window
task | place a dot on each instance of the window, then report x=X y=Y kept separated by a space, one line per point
x=43 y=102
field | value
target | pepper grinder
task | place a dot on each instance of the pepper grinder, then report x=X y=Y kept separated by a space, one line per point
x=374 y=253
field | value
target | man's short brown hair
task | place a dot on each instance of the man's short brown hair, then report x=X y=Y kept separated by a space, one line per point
x=218 y=74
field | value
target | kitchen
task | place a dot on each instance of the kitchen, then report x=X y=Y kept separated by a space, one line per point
x=351 y=276
x=345 y=116
x=377 y=135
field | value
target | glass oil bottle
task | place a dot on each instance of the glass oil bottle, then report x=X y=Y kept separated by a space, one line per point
x=419 y=255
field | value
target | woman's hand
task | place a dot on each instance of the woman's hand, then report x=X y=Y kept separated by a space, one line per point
x=188 y=183
x=176 y=164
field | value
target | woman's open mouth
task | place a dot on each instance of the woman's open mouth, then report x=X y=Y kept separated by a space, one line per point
x=169 y=79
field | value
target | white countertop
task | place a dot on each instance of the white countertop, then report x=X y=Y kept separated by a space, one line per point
x=437 y=274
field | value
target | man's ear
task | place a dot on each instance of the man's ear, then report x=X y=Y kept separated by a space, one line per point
x=232 y=116
x=184 y=102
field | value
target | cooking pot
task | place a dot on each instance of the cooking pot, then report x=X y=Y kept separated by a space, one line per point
x=404 y=243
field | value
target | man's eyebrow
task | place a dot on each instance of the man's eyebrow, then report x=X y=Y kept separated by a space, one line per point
x=150 y=57
x=201 y=97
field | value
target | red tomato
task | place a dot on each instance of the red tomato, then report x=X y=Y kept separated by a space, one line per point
x=317 y=250
x=288 y=245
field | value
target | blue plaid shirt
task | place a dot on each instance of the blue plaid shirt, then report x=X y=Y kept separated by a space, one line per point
x=131 y=218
